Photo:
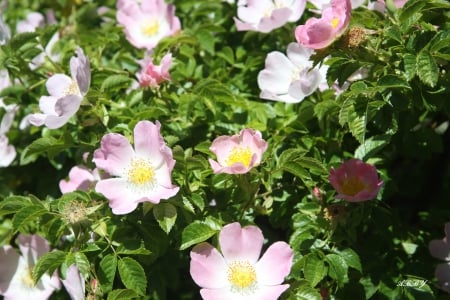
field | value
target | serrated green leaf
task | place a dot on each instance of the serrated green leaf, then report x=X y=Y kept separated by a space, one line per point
x=166 y=215
x=12 y=204
x=351 y=258
x=107 y=271
x=48 y=145
x=356 y=120
x=324 y=108
x=427 y=69
x=132 y=275
x=371 y=146
x=297 y=170
x=315 y=269
x=20 y=39
x=122 y=294
x=288 y=155
x=337 y=268
x=195 y=233
x=27 y=214
x=313 y=165
x=115 y=82
x=392 y=81
x=48 y=263
x=305 y=292
x=409 y=62
x=198 y=201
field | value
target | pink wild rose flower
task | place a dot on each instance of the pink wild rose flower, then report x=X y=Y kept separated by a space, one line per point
x=16 y=281
x=290 y=78
x=441 y=249
x=239 y=272
x=320 y=33
x=153 y=75
x=66 y=94
x=142 y=174
x=147 y=22
x=266 y=15
x=355 y=181
x=238 y=154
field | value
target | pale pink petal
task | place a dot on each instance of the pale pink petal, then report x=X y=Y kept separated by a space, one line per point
x=275 y=264
x=442 y=273
x=47 y=105
x=148 y=141
x=262 y=293
x=9 y=259
x=440 y=249
x=238 y=243
x=65 y=108
x=114 y=154
x=7 y=152
x=81 y=70
x=121 y=198
x=277 y=75
x=299 y=55
x=32 y=247
x=58 y=85
x=74 y=283
x=80 y=178
x=208 y=268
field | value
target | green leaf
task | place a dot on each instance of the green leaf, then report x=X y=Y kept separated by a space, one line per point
x=12 y=204
x=305 y=292
x=392 y=81
x=132 y=275
x=351 y=258
x=48 y=145
x=288 y=155
x=297 y=170
x=315 y=269
x=48 y=263
x=427 y=69
x=313 y=165
x=371 y=146
x=337 y=268
x=409 y=62
x=206 y=40
x=138 y=251
x=355 y=119
x=107 y=272
x=115 y=82
x=122 y=294
x=19 y=40
x=324 y=108
x=195 y=233
x=166 y=215
x=27 y=214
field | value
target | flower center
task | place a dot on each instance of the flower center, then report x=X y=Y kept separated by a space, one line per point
x=242 y=276
x=72 y=89
x=334 y=22
x=150 y=28
x=27 y=278
x=141 y=172
x=240 y=155
x=352 y=186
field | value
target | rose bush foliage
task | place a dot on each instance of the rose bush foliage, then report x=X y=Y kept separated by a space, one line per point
x=167 y=97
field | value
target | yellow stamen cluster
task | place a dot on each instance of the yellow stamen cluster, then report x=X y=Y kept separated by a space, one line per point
x=242 y=276
x=151 y=28
x=352 y=186
x=72 y=89
x=334 y=22
x=26 y=278
x=141 y=172
x=240 y=155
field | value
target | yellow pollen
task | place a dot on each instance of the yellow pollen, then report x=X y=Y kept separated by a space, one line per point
x=141 y=171
x=334 y=22
x=72 y=89
x=151 y=28
x=352 y=186
x=240 y=155
x=241 y=274
x=27 y=278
